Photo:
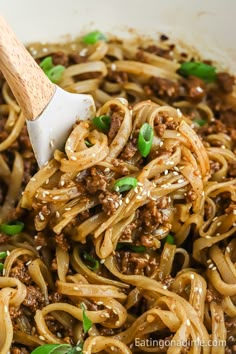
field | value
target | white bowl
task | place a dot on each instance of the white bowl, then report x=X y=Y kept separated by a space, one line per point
x=208 y=25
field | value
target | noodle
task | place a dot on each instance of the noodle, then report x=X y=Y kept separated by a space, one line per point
x=150 y=267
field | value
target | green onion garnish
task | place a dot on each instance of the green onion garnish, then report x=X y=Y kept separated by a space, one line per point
x=54 y=73
x=12 y=228
x=87 y=323
x=46 y=64
x=102 y=123
x=88 y=143
x=125 y=184
x=128 y=246
x=204 y=71
x=1 y=267
x=53 y=349
x=93 y=37
x=3 y=255
x=145 y=139
x=200 y=122
x=169 y=239
x=94 y=264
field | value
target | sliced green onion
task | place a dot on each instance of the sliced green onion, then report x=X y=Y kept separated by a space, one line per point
x=204 y=71
x=46 y=64
x=102 y=123
x=128 y=246
x=87 y=323
x=76 y=350
x=55 y=73
x=94 y=262
x=125 y=184
x=12 y=228
x=52 y=349
x=88 y=143
x=94 y=37
x=3 y=255
x=1 y=267
x=169 y=239
x=145 y=139
x=200 y=122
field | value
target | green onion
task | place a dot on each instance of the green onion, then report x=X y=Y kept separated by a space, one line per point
x=145 y=139
x=200 y=122
x=125 y=184
x=55 y=73
x=1 y=267
x=12 y=228
x=102 y=123
x=87 y=323
x=46 y=64
x=93 y=37
x=128 y=246
x=169 y=239
x=3 y=255
x=76 y=350
x=52 y=349
x=88 y=143
x=204 y=71
x=94 y=262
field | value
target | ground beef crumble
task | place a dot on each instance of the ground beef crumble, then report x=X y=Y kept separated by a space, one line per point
x=97 y=181
x=109 y=201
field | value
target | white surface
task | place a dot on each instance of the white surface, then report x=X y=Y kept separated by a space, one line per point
x=69 y=108
x=207 y=24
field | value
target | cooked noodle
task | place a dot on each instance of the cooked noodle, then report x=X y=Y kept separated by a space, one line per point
x=182 y=293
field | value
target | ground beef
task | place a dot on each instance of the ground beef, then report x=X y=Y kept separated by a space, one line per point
x=120 y=167
x=116 y=121
x=215 y=166
x=41 y=239
x=3 y=238
x=14 y=312
x=34 y=298
x=225 y=82
x=130 y=150
x=77 y=58
x=161 y=52
x=60 y=58
x=110 y=202
x=151 y=214
x=212 y=295
x=128 y=231
x=117 y=76
x=164 y=88
x=195 y=88
x=228 y=117
x=62 y=242
x=55 y=297
x=96 y=181
x=160 y=129
x=136 y=263
x=20 y=271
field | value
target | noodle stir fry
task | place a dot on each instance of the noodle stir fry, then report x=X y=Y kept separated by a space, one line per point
x=123 y=242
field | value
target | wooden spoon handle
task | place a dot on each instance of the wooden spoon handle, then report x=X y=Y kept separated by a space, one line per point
x=30 y=86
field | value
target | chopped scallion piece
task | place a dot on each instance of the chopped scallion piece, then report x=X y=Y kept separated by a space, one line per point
x=125 y=184
x=204 y=71
x=88 y=143
x=145 y=139
x=94 y=264
x=1 y=267
x=52 y=349
x=102 y=123
x=87 y=323
x=3 y=255
x=46 y=64
x=12 y=228
x=200 y=122
x=128 y=246
x=169 y=239
x=93 y=37
x=55 y=73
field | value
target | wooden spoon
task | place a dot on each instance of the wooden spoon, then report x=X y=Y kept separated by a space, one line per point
x=50 y=111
